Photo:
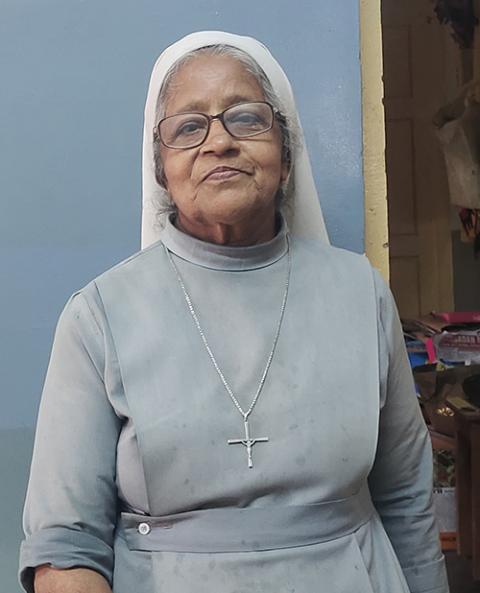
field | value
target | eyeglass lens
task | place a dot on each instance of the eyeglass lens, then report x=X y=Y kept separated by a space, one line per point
x=186 y=130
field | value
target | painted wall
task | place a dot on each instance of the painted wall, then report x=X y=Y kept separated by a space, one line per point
x=74 y=78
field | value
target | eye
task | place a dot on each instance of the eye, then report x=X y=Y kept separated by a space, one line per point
x=183 y=130
x=190 y=127
x=246 y=118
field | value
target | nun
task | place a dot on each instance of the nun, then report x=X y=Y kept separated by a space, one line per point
x=231 y=409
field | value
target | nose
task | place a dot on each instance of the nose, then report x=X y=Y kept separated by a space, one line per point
x=218 y=139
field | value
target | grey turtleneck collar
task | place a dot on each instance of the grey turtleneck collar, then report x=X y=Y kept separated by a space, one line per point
x=225 y=257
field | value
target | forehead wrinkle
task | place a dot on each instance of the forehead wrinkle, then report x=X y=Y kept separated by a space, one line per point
x=202 y=105
x=188 y=83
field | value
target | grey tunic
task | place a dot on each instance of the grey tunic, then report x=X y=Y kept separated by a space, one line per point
x=132 y=475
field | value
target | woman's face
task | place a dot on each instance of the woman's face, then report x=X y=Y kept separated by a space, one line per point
x=210 y=84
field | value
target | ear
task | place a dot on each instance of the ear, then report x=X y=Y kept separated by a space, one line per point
x=160 y=177
x=285 y=172
x=163 y=180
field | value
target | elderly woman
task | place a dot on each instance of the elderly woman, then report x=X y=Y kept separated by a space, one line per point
x=199 y=430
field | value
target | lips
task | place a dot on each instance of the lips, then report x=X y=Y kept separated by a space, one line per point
x=223 y=172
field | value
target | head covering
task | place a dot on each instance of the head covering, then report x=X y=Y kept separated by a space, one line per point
x=307 y=219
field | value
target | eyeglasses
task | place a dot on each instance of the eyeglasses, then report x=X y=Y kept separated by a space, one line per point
x=188 y=130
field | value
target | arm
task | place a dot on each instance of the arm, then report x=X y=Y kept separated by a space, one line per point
x=70 y=510
x=401 y=478
x=73 y=580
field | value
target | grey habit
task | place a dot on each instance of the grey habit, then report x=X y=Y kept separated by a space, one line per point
x=132 y=475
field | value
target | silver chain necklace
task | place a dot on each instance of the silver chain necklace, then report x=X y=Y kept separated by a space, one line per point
x=248 y=442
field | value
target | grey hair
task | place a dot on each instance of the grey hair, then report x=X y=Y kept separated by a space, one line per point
x=288 y=129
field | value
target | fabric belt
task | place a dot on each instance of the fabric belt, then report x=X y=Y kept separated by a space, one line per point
x=247 y=529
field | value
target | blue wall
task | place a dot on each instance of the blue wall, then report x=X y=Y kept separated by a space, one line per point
x=74 y=77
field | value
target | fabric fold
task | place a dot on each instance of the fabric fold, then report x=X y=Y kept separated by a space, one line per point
x=420 y=579
x=225 y=257
x=248 y=529
x=63 y=548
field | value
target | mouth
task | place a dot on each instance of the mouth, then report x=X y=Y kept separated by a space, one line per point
x=222 y=172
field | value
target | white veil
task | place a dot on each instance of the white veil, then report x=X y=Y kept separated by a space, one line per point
x=306 y=219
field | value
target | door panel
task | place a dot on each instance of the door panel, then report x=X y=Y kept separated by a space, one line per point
x=415 y=45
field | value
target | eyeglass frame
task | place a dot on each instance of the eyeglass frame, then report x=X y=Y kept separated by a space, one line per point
x=276 y=114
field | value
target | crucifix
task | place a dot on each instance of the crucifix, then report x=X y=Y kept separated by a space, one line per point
x=247 y=442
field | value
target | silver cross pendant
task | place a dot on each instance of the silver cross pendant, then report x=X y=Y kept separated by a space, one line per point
x=247 y=442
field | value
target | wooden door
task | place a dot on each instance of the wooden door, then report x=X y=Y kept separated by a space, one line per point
x=418 y=58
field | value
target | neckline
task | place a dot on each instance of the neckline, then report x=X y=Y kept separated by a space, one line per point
x=225 y=257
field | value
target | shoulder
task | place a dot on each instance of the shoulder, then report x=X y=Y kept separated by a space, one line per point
x=325 y=261
x=142 y=264
x=347 y=271
x=139 y=262
x=324 y=252
x=84 y=310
